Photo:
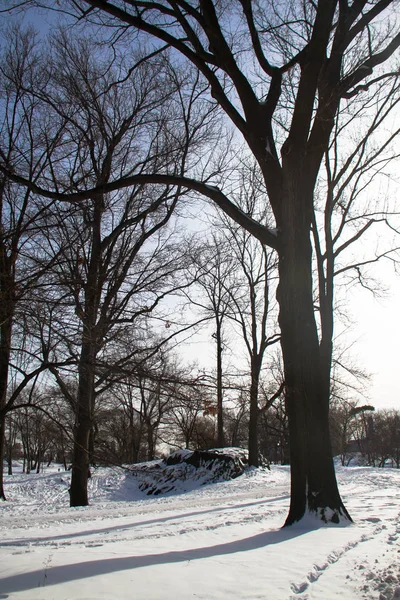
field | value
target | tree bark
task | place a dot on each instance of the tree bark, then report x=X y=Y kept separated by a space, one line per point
x=220 y=416
x=150 y=441
x=86 y=368
x=253 y=417
x=6 y=315
x=83 y=425
x=313 y=481
x=2 y=447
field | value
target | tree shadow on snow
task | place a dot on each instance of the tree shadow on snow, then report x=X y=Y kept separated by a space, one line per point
x=135 y=523
x=65 y=573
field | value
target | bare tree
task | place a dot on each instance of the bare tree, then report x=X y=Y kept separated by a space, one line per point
x=110 y=252
x=215 y=279
x=118 y=261
x=352 y=204
x=25 y=135
x=189 y=405
x=251 y=301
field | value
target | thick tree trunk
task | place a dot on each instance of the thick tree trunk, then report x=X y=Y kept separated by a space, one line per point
x=83 y=426
x=313 y=481
x=80 y=464
x=253 y=417
x=86 y=369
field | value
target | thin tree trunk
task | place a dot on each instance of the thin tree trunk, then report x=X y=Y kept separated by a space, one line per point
x=2 y=448
x=220 y=417
x=5 y=345
x=253 y=417
x=150 y=442
x=11 y=441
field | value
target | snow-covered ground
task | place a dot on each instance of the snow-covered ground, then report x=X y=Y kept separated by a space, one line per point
x=219 y=541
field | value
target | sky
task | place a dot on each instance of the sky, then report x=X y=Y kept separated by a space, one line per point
x=373 y=341
x=376 y=337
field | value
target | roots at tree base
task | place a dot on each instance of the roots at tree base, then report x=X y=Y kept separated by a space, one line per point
x=320 y=516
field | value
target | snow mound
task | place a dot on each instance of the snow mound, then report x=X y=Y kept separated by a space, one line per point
x=185 y=470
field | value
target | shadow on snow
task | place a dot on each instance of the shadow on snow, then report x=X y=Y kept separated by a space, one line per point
x=65 y=573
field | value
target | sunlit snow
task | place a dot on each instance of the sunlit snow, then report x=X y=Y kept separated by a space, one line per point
x=218 y=541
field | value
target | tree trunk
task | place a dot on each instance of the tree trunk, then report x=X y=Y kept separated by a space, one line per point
x=5 y=345
x=92 y=439
x=2 y=447
x=80 y=461
x=253 y=420
x=220 y=418
x=313 y=481
x=150 y=441
x=86 y=369
x=11 y=440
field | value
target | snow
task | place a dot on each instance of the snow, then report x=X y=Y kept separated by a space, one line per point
x=216 y=541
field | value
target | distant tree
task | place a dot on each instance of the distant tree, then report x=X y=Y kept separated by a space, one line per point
x=274 y=431
x=213 y=268
x=343 y=429
x=126 y=423
x=384 y=442
x=152 y=399
x=363 y=430
x=12 y=446
x=252 y=296
x=237 y=421
x=188 y=406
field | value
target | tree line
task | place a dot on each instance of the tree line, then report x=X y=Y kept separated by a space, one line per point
x=128 y=430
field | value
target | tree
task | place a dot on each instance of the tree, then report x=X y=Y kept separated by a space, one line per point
x=237 y=421
x=343 y=428
x=279 y=79
x=161 y=402
x=251 y=298
x=215 y=277
x=189 y=405
x=348 y=206
x=28 y=139
x=364 y=427
x=109 y=254
x=118 y=261
x=274 y=435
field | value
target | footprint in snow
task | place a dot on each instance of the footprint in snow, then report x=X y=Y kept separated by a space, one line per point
x=299 y=589
x=93 y=545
